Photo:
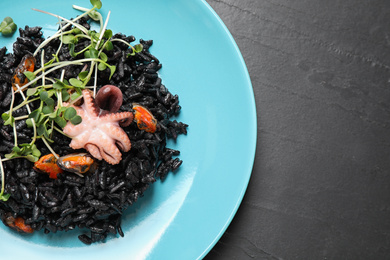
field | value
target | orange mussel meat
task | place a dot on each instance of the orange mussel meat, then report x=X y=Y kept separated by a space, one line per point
x=48 y=164
x=27 y=64
x=78 y=163
x=17 y=224
x=144 y=119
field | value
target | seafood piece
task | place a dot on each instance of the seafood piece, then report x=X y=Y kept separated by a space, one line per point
x=78 y=163
x=109 y=98
x=100 y=131
x=144 y=119
x=48 y=164
x=27 y=64
x=17 y=224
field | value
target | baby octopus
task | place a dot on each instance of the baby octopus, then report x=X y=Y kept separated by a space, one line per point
x=100 y=131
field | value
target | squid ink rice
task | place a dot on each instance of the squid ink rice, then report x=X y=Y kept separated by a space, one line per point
x=97 y=200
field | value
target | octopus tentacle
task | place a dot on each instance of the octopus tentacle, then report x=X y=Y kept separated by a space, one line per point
x=94 y=151
x=111 y=154
x=122 y=117
x=89 y=104
x=119 y=136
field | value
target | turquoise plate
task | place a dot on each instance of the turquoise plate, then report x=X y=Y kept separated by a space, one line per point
x=184 y=216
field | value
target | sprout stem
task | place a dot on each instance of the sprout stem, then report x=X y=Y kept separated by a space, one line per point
x=82 y=28
x=62 y=64
x=21 y=118
x=2 y=177
x=59 y=32
x=49 y=147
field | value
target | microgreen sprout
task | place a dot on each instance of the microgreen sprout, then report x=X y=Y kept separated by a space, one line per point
x=3 y=197
x=7 y=26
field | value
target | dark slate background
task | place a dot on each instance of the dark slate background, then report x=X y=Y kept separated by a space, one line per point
x=320 y=186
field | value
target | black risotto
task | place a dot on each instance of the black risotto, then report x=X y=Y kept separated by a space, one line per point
x=97 y=201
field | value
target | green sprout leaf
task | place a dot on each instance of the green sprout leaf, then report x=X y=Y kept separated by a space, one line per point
x=71 y=47
x=112 y=69
x=76 y=120
x=76 y=30
x=91 y=53
x=107 y=34
x=94 y=15
x=109 y=46
x=60 y=121
x=41 y=130
x=65 y=95
x=16 y=149
x=5 y=197
x=7 y=26
x=75 y=96
x=27 y=151
x=101 y=66
x=35 y=115
x=47 y=110
x=69 y=113
x=76 y=83
x=138 y=48
x=96 y=3
x=67 y=39
x=31 y=91
x=30 y=75
x=83 y=75
x=50 y=102
x=5 y=116
x=29 y=122
x=43 y=95
x=59 y=85
x=103 y=57
x=10 y=120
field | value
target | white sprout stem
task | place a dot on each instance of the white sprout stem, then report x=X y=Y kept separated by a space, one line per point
x=95 y=82
x=59 y=32
x=62 y=132
x=12 y=100
x=104 y=29
x=11 y=110
x=43 y=66
x=63 y=64
x=22 y=104
x=62 y=75
x=80 y=8
x=62 y=37
x=59 y=93
x=120 y=40
x=49 y=147
x=21 y=118
x=87 y=10
x=2 y=176
x=82 y=28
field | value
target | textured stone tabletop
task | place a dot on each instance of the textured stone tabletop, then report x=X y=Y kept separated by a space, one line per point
x=320 y=186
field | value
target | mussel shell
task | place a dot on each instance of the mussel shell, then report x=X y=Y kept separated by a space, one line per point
x=144 y=118
x=48 y=164
x=79 y=163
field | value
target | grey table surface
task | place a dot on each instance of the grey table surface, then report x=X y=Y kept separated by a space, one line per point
x=320 y=186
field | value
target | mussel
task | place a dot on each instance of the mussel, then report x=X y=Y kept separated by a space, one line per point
x=79 y=163
x=144 y=119
x=17 y=224
x=48 y=164
x=27 y=64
